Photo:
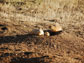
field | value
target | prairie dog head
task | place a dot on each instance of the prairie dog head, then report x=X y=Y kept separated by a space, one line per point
x=55 y=28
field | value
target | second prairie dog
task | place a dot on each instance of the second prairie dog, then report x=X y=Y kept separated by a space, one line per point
x=55 y=28
x=38 y=32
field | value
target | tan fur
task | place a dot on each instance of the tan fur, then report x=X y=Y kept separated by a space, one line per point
x=55 y=28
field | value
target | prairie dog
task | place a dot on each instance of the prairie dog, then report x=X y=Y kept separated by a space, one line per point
x=55 y=28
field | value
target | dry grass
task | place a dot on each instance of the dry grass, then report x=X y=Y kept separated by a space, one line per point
x=21 y=18
x=61 y=11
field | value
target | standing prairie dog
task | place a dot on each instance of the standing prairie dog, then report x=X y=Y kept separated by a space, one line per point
x=55 y=28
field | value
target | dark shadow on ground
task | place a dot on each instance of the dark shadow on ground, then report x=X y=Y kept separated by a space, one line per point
x=20 y=58
x=29 y=60
x=25 y=37
x=15 y=39
x=13 y=54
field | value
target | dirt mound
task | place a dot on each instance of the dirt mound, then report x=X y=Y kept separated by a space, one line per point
x=42 y=49
x=15 y=41
x=62 y=47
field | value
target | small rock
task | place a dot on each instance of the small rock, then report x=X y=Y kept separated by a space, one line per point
x=38 y=32
x=47 y=34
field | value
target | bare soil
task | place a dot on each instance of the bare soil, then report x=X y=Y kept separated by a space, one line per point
x=18 y=46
